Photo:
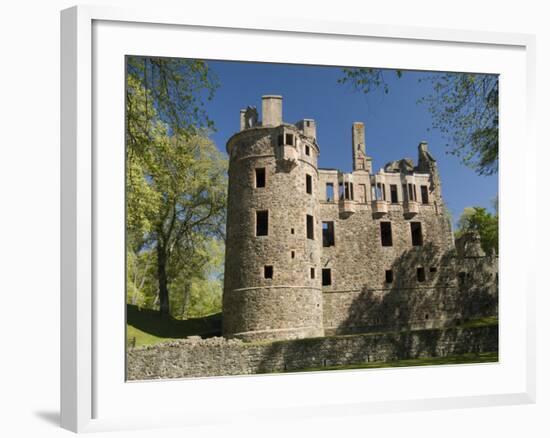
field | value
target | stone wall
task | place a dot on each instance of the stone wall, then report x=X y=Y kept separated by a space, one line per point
x=219 y=356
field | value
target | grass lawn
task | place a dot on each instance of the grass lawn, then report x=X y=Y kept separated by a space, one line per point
x=480 y=322
x=450 y=360
x=145 y=327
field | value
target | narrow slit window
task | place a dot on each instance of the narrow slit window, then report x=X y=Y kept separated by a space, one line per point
x=268 y=271
x=307 y=150
x=309 y=184
x=389 y=276
x=340 y=190
x=378 y=192
x=330 y=192
x=411 y=193
x=420 y=274
x=312 y=273
x=262 y=223
x=328 y=234
x=424 y=194
x=405 y=194
x=416 y=234
x=362 y=193
x=292 y=254
x=309 y=226
x=326 y=277
x=393 y=193
x=260 y=177
x=385 y=234
x=280 y=140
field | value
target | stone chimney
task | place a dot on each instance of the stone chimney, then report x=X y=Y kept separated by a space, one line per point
x=272 y=110
x=359 y=150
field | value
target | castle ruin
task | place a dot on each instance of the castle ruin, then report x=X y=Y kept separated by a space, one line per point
x=313 y=252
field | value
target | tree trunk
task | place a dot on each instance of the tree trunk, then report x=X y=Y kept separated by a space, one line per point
x=186 y=294
x=163 y=282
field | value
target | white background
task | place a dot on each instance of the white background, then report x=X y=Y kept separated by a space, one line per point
x=29 y=219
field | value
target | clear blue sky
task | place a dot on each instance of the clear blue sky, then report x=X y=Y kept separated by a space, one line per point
x=394 y=123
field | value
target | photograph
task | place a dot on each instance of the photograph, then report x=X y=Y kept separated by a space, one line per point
x=285 y=218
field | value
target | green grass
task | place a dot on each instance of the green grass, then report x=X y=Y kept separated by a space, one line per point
x=488 y=320
x=449 y=360
x=146 y=327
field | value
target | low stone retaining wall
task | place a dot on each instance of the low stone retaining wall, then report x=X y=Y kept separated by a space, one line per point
x=220 y=356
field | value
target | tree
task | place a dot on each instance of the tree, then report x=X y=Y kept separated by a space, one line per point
x=478 y=219
x=176 y=177
x=464 y=107
x=164 y=96
x=191 y=179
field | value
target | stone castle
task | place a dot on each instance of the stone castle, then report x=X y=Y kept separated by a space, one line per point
x=313 y=252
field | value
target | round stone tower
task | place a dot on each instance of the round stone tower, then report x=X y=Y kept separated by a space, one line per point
x=272 y=284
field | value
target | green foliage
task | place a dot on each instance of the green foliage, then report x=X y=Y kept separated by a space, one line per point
x=176 y=89
x=366 y=79
x=175 y=185
x=464 y=107
x=478 y=219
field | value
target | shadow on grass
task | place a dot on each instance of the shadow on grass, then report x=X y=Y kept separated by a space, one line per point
x=469 y=358
x=149 y=321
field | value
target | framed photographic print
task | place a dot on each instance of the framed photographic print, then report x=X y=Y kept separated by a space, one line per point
x=299 y=219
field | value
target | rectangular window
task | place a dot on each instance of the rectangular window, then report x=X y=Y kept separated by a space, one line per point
x=260 y=177
x=330 y=192
x=385 y=233
x=309 y=226
x=347 y=193
x=362 y=193
x=378 y=192
x=327 y=277
x=393 y=193
x=424 y=194
x=289 y=139
x=420 y=275
x=268 y=271
x=328 y=233
x=389 y=276
x=280 y=140
x=411 y=193
x=405 y=195
x=416 y=233
x=309 y=184
x=312 y=273
x=307 y=149
x=262 y=222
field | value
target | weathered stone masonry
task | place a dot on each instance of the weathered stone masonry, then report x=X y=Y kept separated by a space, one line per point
x=230 y=357
x=314 y=251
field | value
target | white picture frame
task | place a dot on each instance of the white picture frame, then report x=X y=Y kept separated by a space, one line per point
x=86 y=403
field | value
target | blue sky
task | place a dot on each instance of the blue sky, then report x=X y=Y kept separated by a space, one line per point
x=394 y=123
